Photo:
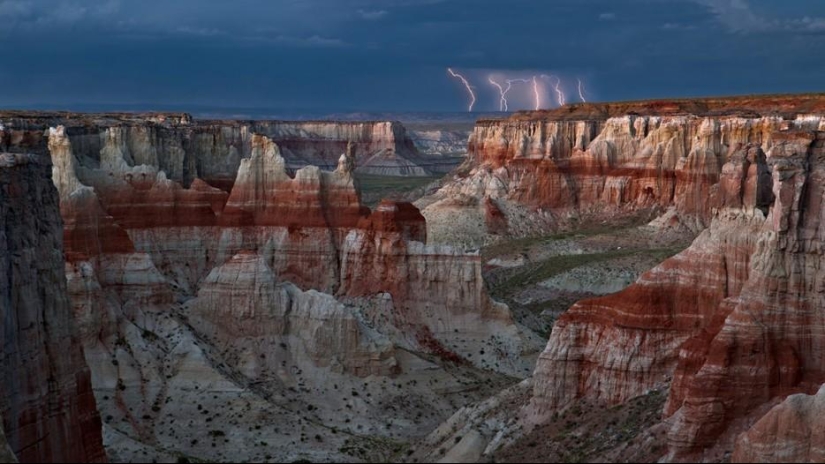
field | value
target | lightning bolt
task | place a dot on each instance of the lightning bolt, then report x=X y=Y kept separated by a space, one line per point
x=581 y=92
x=467 y=85
x=536 y=93
x=559 y=94
x=502 y=103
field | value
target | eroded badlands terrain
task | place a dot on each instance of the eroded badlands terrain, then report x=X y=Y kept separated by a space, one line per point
x=630 y=281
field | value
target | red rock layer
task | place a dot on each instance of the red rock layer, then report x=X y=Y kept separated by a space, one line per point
x=616 y=347
x=600 y=164
x=626 y=162
x=436 y=293
x=148 y=200
x=88 y=231
x=310 y=229
x=46 y=399
x=734 y=321
x=741 y=106
x=265 y=195
x=770 y=343
x=400 y=218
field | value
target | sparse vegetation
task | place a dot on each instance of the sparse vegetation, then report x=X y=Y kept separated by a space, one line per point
x=374 y=188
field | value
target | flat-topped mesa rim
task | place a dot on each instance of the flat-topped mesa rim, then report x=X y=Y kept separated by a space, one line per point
x=751 y=106
x=169 y=118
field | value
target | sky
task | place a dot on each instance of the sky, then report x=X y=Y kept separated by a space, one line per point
x=393 y=55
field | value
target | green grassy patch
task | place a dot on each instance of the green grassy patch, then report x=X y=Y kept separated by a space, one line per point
x=374 y=188
x=523 y=244
x=534 y=273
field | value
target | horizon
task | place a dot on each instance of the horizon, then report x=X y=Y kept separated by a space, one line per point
x=207 y=112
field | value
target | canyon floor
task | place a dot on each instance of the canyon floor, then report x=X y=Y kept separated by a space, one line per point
x=541 y=277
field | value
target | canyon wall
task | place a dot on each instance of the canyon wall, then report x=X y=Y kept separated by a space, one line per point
x=729 y=325
x=445 y=145
x=211 y=150
x=46 y=401
x=792 y=431
x=552 y=170
x=728 y=328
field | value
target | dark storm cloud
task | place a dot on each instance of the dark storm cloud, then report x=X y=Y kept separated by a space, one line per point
x=384 y=55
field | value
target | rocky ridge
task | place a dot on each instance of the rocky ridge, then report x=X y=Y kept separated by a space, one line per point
x=186 y=149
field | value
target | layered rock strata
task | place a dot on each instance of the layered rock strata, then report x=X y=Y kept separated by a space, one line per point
x=545 y=169
x=283 y=286
x=261 y=325
x=210 y=150
x=730 y=324
x=792 y=431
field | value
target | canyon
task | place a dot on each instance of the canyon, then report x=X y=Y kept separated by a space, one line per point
x=619 y=281
x=278 y=313
x=723 y=330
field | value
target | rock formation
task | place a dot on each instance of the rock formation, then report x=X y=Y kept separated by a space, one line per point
x=185 y=149
x=281 y=287
x=601 y=161
x=730 y=323
x=202 y=250
x=792 y=431
x=728 y=327
x=48 y=409
x=241 y=306
x=265 y=195
x=433 y=140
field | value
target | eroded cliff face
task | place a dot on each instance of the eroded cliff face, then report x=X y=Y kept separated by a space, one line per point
x=262 y=325
x=280 y=288
x=48 y=409
x=185 y=149
x=545 y=170
x=730 y=324
x=792 y=431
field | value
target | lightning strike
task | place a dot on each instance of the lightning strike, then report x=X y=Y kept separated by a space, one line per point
x=467 y=85
x=502 y=103
x=559 y=93
x=536 y=93
x=581 y=92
